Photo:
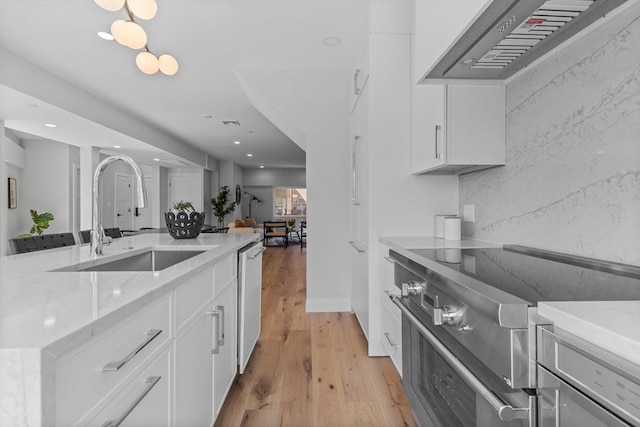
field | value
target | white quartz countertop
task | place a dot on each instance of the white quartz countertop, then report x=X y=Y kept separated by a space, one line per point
x=45 y=309
x=613 y=325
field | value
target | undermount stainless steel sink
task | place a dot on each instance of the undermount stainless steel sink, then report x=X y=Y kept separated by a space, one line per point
x=149 y=260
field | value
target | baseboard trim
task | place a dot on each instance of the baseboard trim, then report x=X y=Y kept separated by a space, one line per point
x=327 y=305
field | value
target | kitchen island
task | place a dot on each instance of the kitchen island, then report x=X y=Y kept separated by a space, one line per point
x=50 y=320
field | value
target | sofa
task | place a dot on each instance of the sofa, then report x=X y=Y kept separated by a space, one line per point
x=245 y=226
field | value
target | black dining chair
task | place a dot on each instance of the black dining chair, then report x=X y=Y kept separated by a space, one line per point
x=21 y=245
x=114 y=233
x=303 y=233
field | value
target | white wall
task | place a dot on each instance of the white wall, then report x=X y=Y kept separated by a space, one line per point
x=13 y=164
x=46 y=184
x=321 y=118
x=572 y=176
x=284 y=177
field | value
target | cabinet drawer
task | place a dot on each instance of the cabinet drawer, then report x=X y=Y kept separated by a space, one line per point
x=85 y=376
x=145 y=402
x=224 y=271
x=386 y=272
x=391 y=332
x=193 y=295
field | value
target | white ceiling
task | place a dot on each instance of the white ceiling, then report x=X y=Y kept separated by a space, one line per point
x=210 y=38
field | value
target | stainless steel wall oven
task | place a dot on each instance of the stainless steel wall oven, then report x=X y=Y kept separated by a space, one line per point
x=469 y=327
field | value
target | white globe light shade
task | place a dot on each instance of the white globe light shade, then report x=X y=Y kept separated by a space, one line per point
x=147 y=62
x=129 y=34
x=143 y=9
x=168 y=64
x=110 y=5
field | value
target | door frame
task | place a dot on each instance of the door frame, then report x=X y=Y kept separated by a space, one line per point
x=129 y=197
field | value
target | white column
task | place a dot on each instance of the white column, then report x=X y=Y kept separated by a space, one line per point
x=89 y=160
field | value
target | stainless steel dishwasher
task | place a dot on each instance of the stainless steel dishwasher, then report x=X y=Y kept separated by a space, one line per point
x=249 y=300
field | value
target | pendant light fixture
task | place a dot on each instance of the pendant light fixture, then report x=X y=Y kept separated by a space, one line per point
x=129 y=33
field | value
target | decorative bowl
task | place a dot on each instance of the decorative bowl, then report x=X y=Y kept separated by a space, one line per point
x=184 y=226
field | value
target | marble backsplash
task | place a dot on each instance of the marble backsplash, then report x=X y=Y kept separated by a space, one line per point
x=572 y=177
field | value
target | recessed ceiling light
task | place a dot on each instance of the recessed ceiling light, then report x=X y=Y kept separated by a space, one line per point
x=261 y=166
x=156 y=160
x=50 y=125
x=236 y=142
x=331 y=41
x=32 y=105
x=104 y=35
x=468 y=61
x=207 y=116
x=249 y=155
x=117 y=146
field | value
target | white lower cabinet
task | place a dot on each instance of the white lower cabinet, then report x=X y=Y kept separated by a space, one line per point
x=206 y=362
x=194 y=372
x=145 y=401
x=172 y=363
x=88 y=376
x=391 y=330
x=390 y=315
x=225 y=357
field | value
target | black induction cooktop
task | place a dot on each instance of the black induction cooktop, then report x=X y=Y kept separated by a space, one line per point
x=535 y=275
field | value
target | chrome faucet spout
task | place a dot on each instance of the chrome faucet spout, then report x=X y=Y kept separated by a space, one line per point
x=97 y=232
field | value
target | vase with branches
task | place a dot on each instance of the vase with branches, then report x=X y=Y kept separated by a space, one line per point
x=221 y=206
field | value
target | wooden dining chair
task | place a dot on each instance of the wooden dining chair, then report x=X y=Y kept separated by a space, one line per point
x=276 y=230
x=303 y=233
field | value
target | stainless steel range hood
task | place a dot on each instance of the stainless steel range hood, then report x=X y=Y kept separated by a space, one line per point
x=510 y=34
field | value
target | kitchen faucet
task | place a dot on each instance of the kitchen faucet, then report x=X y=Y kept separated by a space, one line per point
x=97 y=232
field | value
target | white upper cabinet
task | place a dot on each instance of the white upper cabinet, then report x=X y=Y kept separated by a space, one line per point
x=457 y=128
x=438 y=23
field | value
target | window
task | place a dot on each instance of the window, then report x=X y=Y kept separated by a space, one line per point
x=290 y=201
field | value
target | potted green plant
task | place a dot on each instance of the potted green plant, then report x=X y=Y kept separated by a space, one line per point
x=220 y=207
x=40 y=222
x=184 y=222
x=291 y=222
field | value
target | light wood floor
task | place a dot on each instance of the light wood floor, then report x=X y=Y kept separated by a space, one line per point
x=310 y=369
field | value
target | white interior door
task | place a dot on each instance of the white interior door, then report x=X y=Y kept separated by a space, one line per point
x=142 y=217
x=122 y=202
x=187 y=188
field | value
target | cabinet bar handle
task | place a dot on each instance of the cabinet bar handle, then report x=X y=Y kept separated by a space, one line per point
x=437 y=129
x=220 y=309
x=215 y=314
x=115 y=366
x=151 y=382
x=356 y=247
x=356 y=89
x=354 y=171
x=387 y=335
x=256 y=255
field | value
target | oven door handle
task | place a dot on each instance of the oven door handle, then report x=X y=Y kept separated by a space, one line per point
x=505 y=411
